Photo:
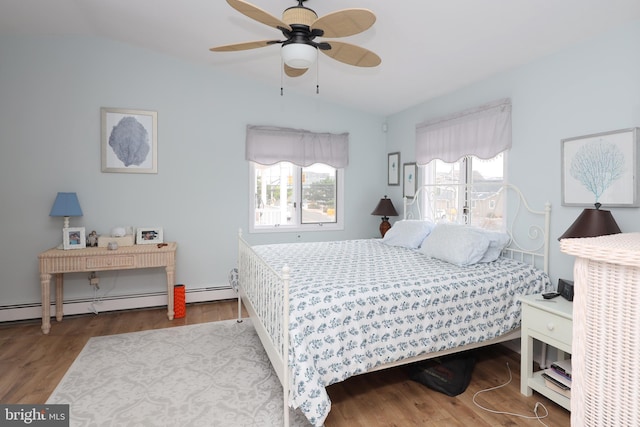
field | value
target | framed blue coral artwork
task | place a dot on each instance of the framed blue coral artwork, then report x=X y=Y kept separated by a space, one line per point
x=393 y=165
x=129 y=141
x=601 y=168
x=410 y=174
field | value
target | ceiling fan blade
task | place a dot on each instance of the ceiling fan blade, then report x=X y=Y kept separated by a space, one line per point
x=254 y=12
x=243 y=46
x=352 y=54
x=343 y=23
x=294 y=72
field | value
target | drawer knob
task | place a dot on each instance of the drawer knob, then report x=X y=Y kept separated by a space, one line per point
x=551 y=326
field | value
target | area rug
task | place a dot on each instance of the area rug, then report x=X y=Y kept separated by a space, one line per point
x=210 y=374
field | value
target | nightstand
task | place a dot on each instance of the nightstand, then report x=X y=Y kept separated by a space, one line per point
x=548 y=321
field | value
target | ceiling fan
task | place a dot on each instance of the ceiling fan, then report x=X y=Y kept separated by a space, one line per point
x=300 y=26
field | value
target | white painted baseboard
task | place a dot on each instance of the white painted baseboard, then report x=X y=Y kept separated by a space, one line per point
x=159 y=299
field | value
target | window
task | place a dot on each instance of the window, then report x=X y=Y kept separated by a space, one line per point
x=467 y=190
x=451 y=148
x=286 y=197
x=297 y=179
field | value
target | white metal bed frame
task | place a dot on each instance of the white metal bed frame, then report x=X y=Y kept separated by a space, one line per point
x=264 y=290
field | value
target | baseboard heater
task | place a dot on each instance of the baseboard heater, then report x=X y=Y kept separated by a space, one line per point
x=113 y=303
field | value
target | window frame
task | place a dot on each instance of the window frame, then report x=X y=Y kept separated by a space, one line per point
x=297 y=226
x=465 y=178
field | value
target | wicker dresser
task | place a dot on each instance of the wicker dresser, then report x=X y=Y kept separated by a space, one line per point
x=606 y=330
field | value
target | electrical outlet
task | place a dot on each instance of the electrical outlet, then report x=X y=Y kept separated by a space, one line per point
x=94 y=281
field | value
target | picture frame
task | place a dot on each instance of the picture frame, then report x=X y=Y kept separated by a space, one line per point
x=129 y=140
x=410 y=180
x=149 y=235
x=74 y=238
x=615 y=152
x=393 y=167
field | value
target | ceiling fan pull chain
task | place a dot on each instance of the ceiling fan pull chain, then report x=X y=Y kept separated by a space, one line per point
x=281 y=77
x=318 y=77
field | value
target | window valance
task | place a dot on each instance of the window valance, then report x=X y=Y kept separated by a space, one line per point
x=484 y=132
x=268 y=145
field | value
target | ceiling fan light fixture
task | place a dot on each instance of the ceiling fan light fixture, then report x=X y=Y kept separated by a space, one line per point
x=299 y=55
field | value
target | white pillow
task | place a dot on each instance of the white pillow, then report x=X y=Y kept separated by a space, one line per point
x=458 y=244
x=497 y=242
x=408 y=233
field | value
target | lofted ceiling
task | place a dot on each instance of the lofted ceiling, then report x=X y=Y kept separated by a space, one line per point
x=428 y=48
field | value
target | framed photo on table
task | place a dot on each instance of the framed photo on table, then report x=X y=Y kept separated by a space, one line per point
x=149 y=235
x=601 y=168
x=393 y=167
x=73 y=238
x=410 y=174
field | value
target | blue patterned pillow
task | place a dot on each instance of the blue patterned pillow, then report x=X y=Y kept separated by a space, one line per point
x=458 y=244
x=408 y=233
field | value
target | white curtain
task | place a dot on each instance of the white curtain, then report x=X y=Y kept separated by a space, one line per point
x=268 y=145
x=483 y=132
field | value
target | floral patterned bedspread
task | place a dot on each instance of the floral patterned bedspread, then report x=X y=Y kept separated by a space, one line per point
x=358 y=304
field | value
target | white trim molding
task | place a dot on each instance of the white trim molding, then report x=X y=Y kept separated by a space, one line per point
x=84 y=306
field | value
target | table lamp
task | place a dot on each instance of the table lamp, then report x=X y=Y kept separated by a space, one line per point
x=385 y=209
x=592 y=223
x=66 y=205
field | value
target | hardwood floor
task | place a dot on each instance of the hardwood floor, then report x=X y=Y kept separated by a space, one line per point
x=32 y=365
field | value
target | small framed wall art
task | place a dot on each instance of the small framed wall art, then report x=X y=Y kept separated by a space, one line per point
x=601 y=168
x=410 y=173
x=129 y=141
x=393 y=167
x=149 y=235
x=74 y=238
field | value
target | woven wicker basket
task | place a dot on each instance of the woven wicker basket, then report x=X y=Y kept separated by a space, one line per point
x=606 y=330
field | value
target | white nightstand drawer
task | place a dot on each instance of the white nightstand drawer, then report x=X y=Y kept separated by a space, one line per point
x=553 y=326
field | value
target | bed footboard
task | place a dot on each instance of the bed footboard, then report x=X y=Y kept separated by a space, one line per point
x=265 y=294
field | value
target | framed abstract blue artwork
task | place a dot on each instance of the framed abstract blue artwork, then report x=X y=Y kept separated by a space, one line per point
x=129 y=141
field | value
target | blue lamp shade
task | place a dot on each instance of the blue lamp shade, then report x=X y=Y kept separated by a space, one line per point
x=66 y=205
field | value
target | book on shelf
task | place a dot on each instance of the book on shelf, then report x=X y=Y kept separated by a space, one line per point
x=557 y=382
x=562 y=367
x=553 y=386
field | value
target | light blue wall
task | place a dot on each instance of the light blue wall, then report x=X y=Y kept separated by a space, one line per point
x=590 y=88
x=51 y=91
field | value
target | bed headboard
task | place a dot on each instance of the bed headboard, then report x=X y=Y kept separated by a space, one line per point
x=495 y=207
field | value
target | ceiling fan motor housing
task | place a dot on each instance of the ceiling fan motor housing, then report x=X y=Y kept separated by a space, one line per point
x=299 y=15
x=299 y=51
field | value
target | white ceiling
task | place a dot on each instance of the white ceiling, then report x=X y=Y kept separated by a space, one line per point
x=427 y=47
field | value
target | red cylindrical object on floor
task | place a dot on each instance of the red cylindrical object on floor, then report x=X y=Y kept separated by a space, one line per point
x=179 y=302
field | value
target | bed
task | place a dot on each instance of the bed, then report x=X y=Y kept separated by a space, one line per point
x=344 y=308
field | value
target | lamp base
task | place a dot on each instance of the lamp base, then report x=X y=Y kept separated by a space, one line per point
x=384 y=227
